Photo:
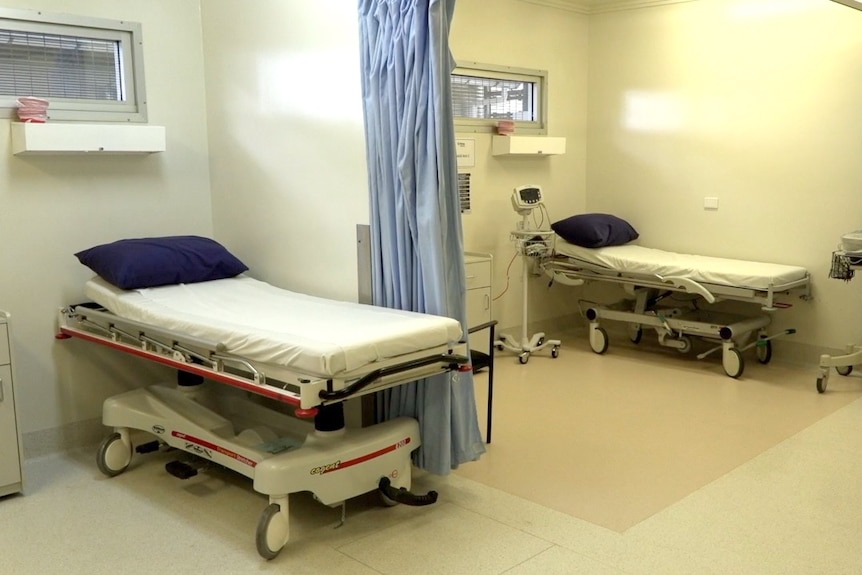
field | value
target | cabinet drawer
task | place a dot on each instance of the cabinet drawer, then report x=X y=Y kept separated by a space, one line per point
x=478 y=274
x=10 y=461
x=4 y=344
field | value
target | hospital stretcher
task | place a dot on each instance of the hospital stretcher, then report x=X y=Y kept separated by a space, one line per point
x=649 y=276
x=277 y=352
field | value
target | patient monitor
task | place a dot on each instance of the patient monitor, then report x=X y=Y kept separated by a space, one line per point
x=526 y=198
x=532 y=244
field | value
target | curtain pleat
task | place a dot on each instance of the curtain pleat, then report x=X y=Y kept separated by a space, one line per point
x=416 y=239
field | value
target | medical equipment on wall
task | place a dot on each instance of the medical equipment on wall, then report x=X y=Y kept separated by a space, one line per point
x=845 y=261
x=532 y=244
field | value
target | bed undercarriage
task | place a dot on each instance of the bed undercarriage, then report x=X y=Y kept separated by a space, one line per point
x=647 y=305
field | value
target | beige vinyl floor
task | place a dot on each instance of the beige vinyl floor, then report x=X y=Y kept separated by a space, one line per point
x=615 y=438
x=637 y=462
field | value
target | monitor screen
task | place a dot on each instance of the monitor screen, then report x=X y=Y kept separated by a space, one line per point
x=530 y=195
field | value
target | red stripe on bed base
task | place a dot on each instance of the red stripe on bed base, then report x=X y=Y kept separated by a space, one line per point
x=367 y=457
x=266 y=391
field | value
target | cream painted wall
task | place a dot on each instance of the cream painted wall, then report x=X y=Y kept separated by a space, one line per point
x=760 y=110
x=525 y=35
x=755 y=102
x=287 y=142
x=290 y=184
x=53 y=206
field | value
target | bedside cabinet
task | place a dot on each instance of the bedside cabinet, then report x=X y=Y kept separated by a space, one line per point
x=478 y=272
x=10 y=436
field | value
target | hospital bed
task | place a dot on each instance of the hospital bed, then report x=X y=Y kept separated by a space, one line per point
x=650 y=277
x=262 y=376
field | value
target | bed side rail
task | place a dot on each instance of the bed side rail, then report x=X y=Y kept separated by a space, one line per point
x=189 y=354
x=568 y=273
x=445 y=362
x=210 y=360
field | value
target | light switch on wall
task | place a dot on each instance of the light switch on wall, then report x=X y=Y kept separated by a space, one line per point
x=710 y=203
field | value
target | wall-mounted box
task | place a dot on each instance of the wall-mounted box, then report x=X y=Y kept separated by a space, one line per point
x=527 y=146
x=52 y=138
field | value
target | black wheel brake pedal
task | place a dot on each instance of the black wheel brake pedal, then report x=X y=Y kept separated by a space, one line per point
x=180 y=469
x=147 y=447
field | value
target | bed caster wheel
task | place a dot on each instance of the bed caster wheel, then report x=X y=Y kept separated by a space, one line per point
x=821 y=384
x=636 y=334
x=114 y=455
x=733 y=363
x=599 y=340
x=684 y=344
x=844 y=369
x=386 y=501
x=764 y=351
x=272 y=532
x=555 y=351
x=499 y=347
x=524 y=358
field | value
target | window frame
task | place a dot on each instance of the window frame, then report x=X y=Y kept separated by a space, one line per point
x=497 y=72
x=130 y=37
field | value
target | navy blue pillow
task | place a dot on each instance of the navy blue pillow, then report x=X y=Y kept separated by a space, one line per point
x=595 y=230
x=150 y=262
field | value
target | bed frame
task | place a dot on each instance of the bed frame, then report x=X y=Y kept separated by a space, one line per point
x=643 y=306
x=246 y=426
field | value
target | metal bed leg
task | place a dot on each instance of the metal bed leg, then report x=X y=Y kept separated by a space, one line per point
x=490 y=383
x=480 y=361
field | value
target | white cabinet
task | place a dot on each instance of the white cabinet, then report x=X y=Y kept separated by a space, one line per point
x=53 y=138
x=478 y=271
x=527 y=146
x=10 y=437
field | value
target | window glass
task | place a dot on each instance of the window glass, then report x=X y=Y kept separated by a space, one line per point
x=483 y=95
x=88 y=69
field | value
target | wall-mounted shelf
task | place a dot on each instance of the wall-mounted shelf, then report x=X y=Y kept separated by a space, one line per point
x=527 y=146
x=52 y=138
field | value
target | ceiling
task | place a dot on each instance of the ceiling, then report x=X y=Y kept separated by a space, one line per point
x=599 y=6
x=852 y=3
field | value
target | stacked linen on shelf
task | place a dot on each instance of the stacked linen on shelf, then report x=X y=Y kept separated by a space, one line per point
x=32 y=109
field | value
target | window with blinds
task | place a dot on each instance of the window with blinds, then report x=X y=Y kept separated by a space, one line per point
x=88 y=69
x=483 y=94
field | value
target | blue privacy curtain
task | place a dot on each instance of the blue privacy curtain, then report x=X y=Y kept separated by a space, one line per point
x=416 y=241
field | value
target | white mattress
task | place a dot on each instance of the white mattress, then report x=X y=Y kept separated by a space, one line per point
x=255 y=320
x=634 y=259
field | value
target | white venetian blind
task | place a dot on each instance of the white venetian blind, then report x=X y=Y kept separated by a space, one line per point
x=59 y=66
x=493 y=98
